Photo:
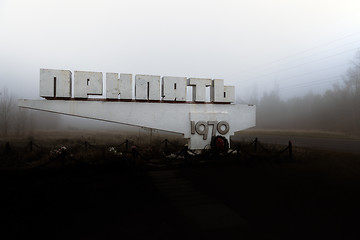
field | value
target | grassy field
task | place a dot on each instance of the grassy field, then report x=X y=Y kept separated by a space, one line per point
x=93 y=193
x=299 y=133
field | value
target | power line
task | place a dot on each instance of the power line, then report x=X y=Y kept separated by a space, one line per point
x=357 y=41
x=301 y=52
x=312 y=83
x=299 y=65
x=316 y=71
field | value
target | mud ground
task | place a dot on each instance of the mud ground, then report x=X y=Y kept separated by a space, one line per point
x=316 y=195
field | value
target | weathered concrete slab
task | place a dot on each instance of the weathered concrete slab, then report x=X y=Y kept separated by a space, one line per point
x=171 y=117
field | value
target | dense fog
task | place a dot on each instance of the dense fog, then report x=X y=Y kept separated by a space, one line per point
x=17 y=121
x=300 y=47
x=338 y=109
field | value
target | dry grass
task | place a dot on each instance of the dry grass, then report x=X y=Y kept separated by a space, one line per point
x=91 y=147
x=299 y=133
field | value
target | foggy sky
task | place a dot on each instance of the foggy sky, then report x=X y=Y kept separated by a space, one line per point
x=254 y=45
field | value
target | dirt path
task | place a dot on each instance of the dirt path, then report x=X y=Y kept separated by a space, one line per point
x=205 y=215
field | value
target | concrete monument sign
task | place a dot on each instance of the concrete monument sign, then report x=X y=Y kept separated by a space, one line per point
x=151 y=102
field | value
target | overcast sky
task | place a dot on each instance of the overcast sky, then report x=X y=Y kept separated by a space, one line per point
x=298 y=45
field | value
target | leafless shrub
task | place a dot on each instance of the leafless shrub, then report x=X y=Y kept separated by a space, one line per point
x=6 y=110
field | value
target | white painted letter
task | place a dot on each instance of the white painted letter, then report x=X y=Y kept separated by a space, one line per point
x=116 y=86
x=199 y=88
x=174 y=88
x=55 y=83
x=221 y=93
x=87 y=83
x=147 y=87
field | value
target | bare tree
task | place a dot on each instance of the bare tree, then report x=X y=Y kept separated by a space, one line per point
x=6 y=107
x=352 y=88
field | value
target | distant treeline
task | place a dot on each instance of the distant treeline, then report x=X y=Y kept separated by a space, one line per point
x=336 y=110
x=17 y=121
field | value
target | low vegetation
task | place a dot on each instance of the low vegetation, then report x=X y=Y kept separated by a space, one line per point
x=83 y=186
